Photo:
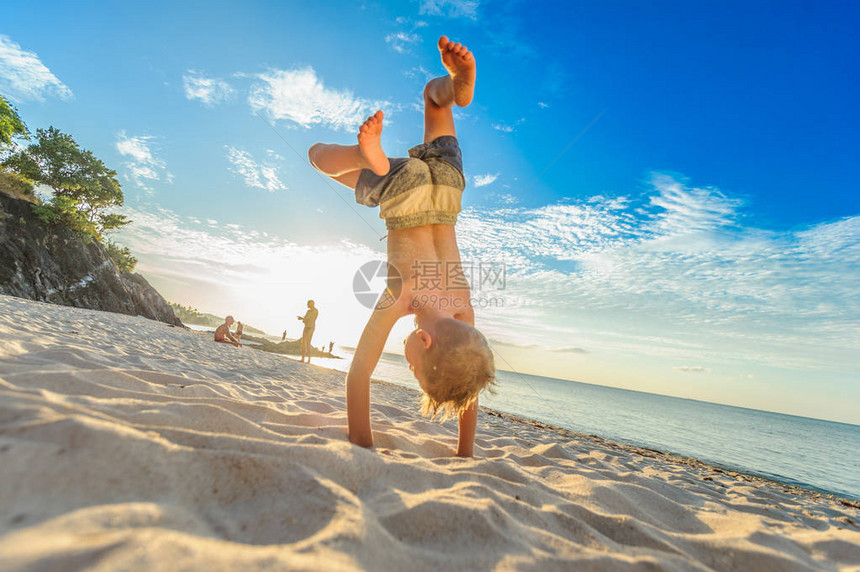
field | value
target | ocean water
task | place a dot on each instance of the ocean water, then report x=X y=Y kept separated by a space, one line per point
x=810 y=453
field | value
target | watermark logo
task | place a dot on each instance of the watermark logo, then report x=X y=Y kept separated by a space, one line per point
x=377 y=284
x=437 y=283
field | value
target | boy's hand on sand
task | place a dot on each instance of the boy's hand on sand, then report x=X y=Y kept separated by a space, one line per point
x=460 y=63
x=369 y=135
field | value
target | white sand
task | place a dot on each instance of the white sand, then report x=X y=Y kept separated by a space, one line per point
x=128 y=444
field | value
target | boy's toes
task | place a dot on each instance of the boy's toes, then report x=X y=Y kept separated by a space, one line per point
x=373 y=119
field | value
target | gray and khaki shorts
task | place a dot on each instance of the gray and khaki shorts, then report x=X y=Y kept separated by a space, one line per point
x=424 y=188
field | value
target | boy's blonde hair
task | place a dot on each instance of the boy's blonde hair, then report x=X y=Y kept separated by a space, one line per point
x=457 y=366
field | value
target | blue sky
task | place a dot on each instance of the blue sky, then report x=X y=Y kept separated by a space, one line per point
x=700 y=239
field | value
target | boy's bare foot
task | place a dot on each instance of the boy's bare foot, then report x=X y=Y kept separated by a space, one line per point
x=370 y=146
x=460 y=63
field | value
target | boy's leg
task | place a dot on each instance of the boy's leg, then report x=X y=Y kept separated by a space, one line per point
x=339 y=160
x=442 y=93
x=333 y=160
x=438 y=119
x=348 y=179
x=343 y=163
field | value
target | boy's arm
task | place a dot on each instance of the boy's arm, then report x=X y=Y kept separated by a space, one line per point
x=445 y=243
x=468 y=422
x=364 y=361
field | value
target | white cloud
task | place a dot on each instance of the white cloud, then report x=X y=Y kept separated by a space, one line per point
x=272 y=154
x=401 y=42
x=415 y=24
x=693 y=369
x=210 y=91
x=500 y=342
x=679 y=274
x=258 y=175
x=299 y=96
x=484 y=180
x=23 y=76
x=142 y=165
x=450 y=8
x=542 y=105
x=688 y=210
x=508 y=128
x=421 y=73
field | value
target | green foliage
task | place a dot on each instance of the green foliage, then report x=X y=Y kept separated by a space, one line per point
x=110 y=221
x=11 y=125
x=78 y=178
x=191 y=315
x=63 y=210
x=17 y=186
x=121 y=256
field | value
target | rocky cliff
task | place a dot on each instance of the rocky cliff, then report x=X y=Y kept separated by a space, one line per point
x=50 y=263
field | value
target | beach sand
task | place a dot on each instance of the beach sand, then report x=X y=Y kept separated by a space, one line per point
x=127 y=444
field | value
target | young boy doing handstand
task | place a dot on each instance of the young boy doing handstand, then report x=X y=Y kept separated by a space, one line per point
x=419 y=198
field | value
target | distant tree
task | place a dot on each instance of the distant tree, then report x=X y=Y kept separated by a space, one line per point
x=187 y=313
x=11 y=125
x=79 y=180
x=121 y=256
x=109 y=221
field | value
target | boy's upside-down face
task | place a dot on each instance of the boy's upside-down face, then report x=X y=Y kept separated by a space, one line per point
x=452 y=362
